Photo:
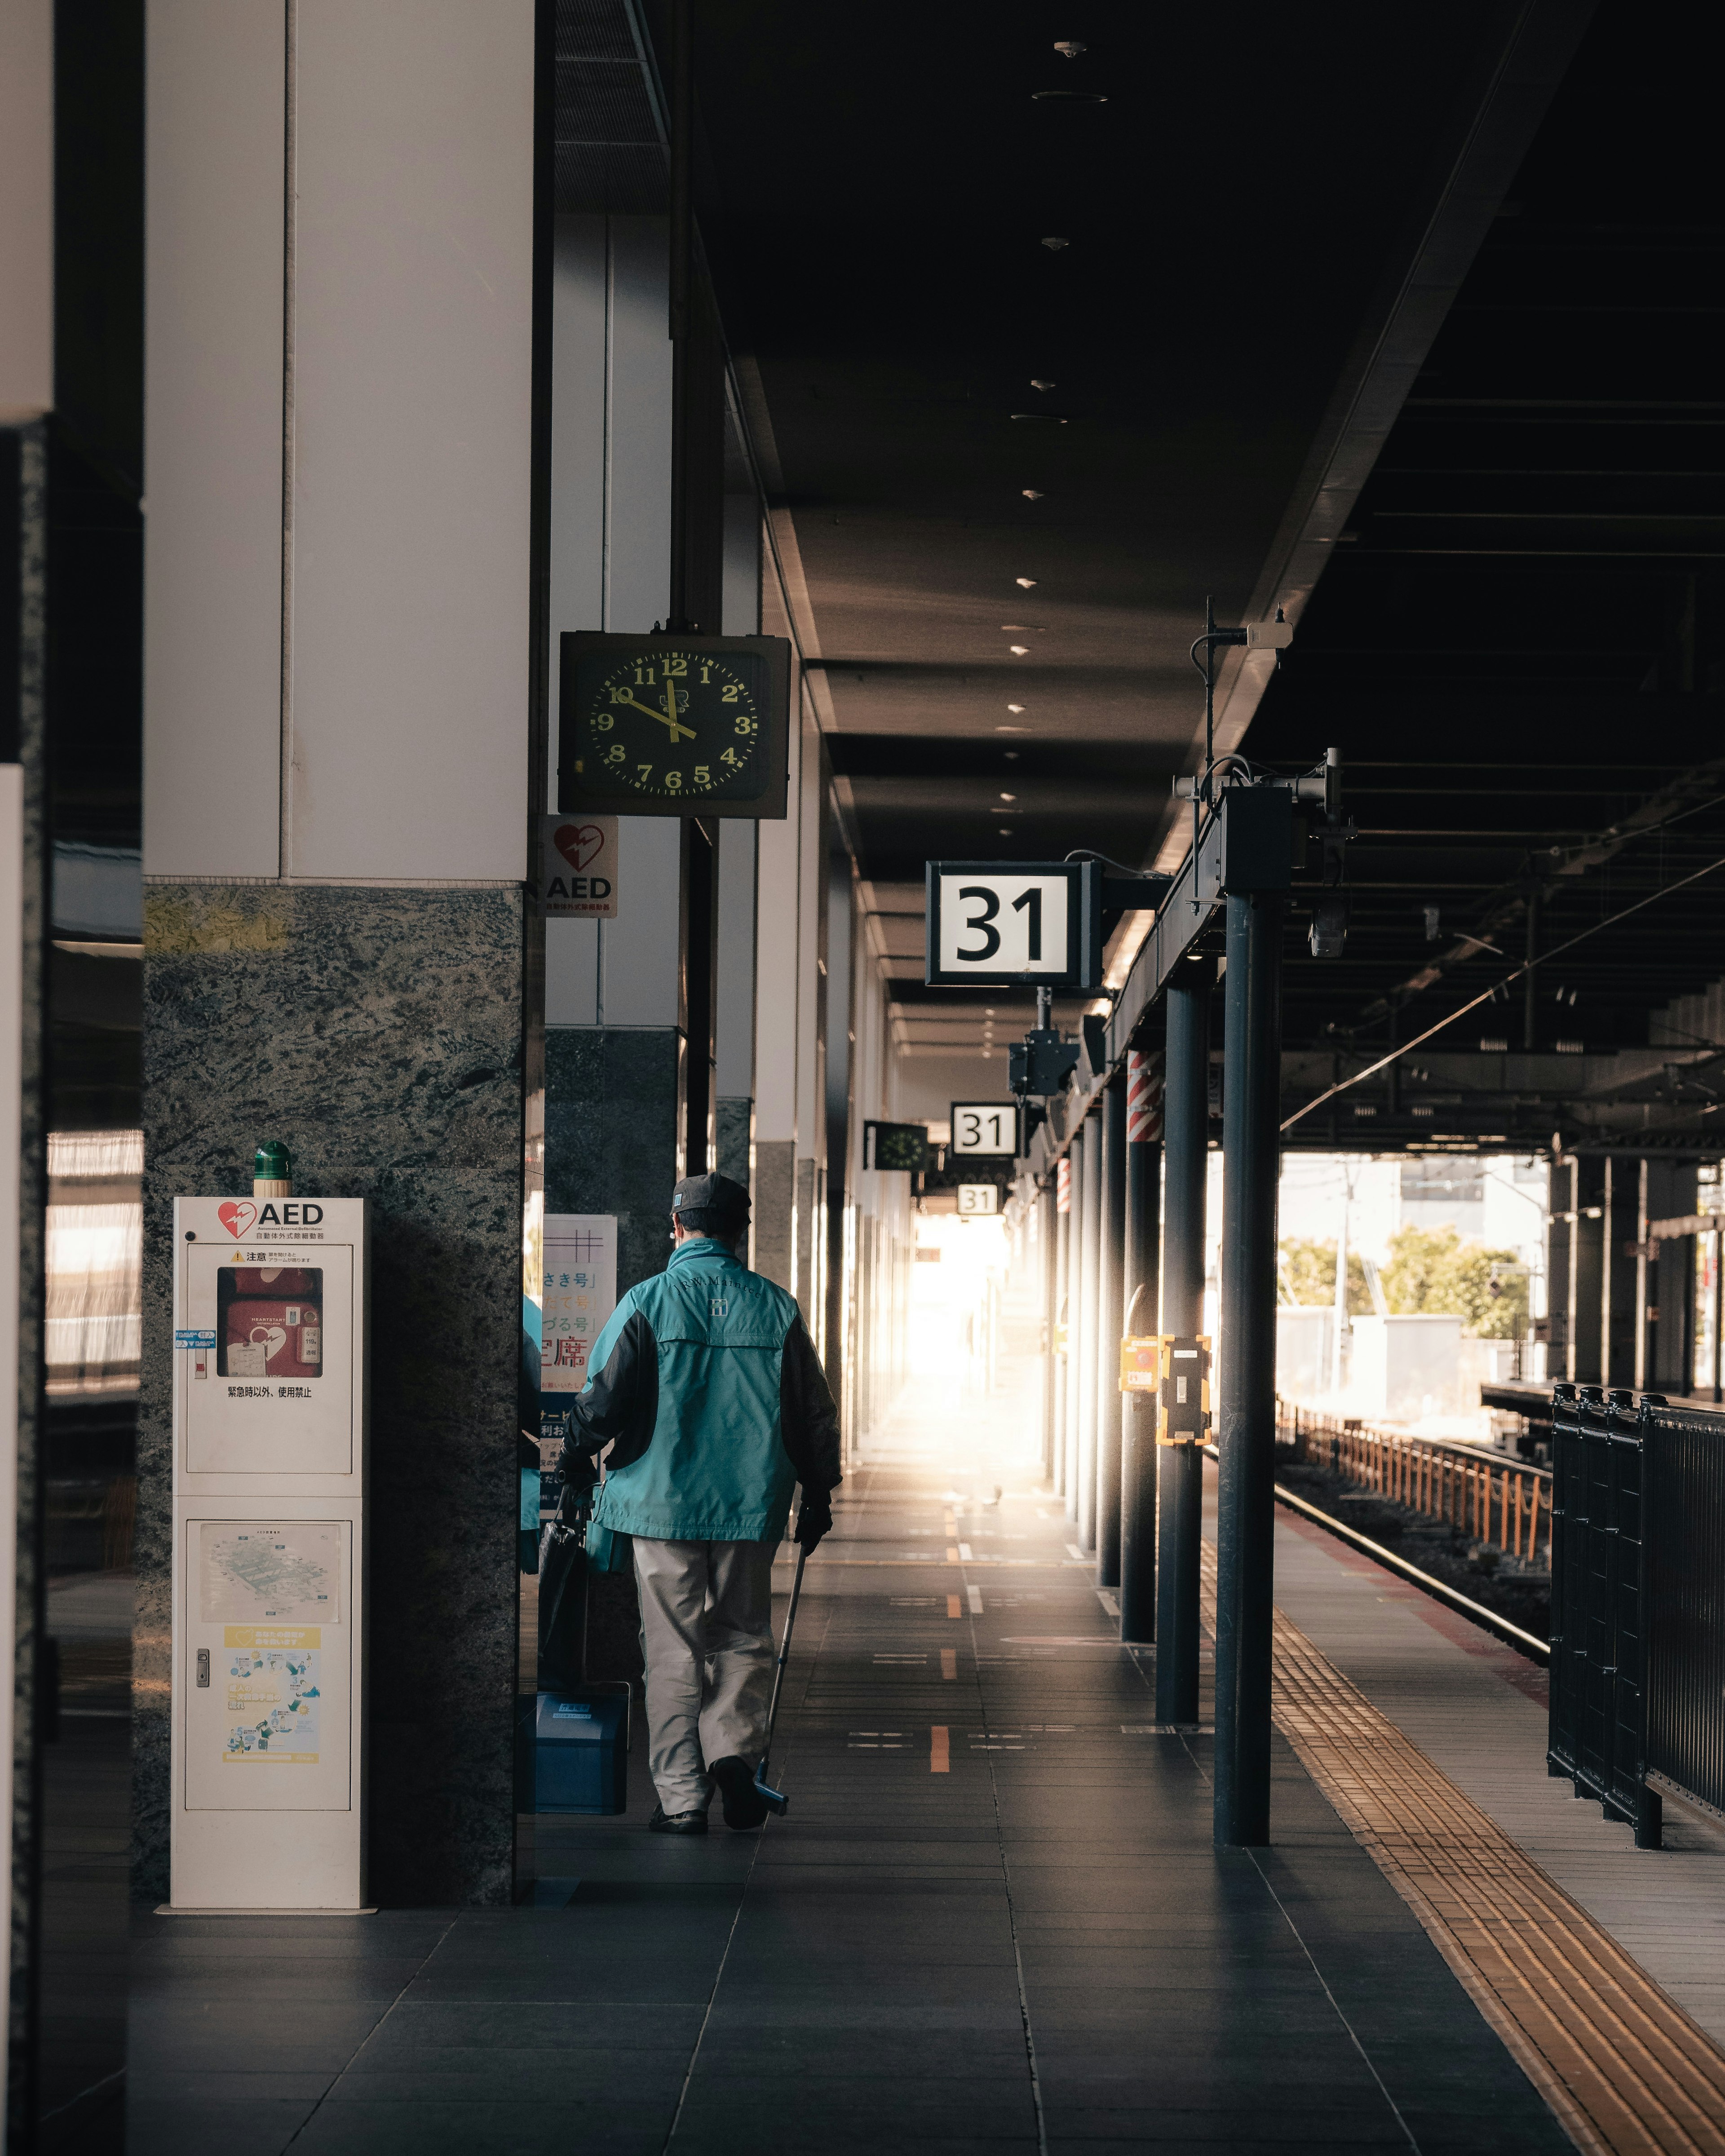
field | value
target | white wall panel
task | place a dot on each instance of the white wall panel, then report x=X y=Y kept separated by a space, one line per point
x=412 y=321
x=571 y=973
x=638 y=952
x=213 y=432
x=580 y=305
x=26 y=209
x=639 y=392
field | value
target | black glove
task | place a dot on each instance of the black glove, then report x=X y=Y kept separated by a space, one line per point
x=814 y=1518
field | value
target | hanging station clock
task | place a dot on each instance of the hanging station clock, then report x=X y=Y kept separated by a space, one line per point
x=674 y=726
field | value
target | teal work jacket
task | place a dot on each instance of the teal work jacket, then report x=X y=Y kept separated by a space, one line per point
x=708 y=1391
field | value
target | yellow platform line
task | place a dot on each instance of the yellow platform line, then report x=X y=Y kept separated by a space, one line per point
x=1622 y=2066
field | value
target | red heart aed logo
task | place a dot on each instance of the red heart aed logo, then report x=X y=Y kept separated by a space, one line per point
x=236 y=1216
x=579 y=843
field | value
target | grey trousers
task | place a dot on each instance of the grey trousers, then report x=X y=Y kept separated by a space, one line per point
x=706 y=1638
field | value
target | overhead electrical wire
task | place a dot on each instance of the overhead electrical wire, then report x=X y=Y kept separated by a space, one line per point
x=1496 y=989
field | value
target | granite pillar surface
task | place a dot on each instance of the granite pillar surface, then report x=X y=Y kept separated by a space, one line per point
x=611 y=1108
x=774 y=1191
x=734 y=1124
x=379 y=1032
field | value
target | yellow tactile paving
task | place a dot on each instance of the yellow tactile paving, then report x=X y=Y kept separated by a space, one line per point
x=1622 y=2064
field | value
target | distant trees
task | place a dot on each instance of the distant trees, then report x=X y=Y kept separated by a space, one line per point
x=1428 y=1269
x=1308 y=1276
x=1434 y=1269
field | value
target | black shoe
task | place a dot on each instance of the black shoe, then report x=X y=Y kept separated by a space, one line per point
x=664 y=1822
x=734 y=1779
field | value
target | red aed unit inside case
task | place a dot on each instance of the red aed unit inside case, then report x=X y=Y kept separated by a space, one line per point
x=272 y=1339
x=276 y=1283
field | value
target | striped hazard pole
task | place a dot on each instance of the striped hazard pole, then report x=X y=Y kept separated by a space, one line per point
x=1143 y=1099
x=1143 y=1254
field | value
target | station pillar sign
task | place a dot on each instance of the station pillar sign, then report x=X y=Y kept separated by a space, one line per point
x=270 y=1428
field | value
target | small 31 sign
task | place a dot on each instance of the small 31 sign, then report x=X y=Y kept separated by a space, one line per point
x=577 y=867
x=983 y=1129
x=976 y=1200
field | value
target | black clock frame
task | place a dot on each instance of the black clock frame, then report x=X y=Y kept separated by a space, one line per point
x=768 y=803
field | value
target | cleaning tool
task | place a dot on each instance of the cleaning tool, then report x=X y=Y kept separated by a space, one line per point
x=776 y=1801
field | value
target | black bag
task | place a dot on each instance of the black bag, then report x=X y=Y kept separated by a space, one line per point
x=562 y=1606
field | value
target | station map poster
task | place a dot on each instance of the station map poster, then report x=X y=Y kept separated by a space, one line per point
x=580 y=1294
x=263 y=1571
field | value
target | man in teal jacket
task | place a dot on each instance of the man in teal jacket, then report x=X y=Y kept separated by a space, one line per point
x=707 y=1390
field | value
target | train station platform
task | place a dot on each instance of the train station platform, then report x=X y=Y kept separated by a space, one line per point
x=994 y=1918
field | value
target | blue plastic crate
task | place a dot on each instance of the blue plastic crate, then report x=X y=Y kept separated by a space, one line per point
x=578 y=1749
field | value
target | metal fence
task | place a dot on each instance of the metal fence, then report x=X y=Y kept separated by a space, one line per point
x=1685 y=1536
x=1637 y=1604
x=1504 y=1503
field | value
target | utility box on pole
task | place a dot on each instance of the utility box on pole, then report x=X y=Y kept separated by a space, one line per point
x=269 y=1426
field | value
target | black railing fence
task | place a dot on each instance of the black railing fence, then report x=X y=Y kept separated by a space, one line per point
x=1638 y=1603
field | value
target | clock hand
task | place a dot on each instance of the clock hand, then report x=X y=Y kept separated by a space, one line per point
x=677 y=728
x=670 y=698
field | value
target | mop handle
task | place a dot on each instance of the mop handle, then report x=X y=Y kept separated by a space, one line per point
x=784 y=1650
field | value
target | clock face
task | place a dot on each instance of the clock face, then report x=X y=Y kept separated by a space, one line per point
x=671 y=726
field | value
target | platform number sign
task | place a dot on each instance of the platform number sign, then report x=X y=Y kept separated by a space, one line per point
x=998 y=924
x=978 y=1200
x=984 y=1128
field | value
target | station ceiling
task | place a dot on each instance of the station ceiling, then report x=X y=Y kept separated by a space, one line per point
x=1415 y=334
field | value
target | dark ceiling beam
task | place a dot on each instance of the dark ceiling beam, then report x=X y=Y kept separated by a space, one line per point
x=1518 y=73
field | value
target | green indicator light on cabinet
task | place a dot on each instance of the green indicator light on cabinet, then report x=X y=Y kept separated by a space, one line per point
x=273 y=1171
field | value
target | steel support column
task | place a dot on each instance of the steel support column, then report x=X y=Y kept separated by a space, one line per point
x=1110 y=1310
x=1043 y=1220
x=1090 y=1229
x=1179 y=1468
x=1077 y=1332
x=1251 y=1084
x=1137 y=1412
x=1063 y=1360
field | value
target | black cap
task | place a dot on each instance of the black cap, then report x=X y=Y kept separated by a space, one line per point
x=710 y=1203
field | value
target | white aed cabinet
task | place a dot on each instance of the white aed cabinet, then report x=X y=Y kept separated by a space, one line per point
x=269 y=1553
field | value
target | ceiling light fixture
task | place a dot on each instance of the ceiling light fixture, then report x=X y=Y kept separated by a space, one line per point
x=1031 y=493
x=1008 y=796
x=1054 y=246
x=1006 y=830
x=1019 y=650
x=1070 y=47
x=1025 y=584
x=1012 y=730
x=1049 y=419
x=1035 y=384
x=1019 y=628
x=1014 y=707
x=1011 y=755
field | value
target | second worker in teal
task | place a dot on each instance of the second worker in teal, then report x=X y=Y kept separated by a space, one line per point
x=708 y=1393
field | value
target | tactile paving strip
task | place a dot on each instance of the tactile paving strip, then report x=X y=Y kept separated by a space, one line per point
x=1622 y=2066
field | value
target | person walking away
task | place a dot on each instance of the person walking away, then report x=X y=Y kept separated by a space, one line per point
x=707 y=1390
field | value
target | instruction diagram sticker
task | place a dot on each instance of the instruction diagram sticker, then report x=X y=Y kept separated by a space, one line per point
x=287 y=1572
x=272 y=1695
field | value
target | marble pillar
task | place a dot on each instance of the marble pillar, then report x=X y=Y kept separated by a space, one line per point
x=379 y=1032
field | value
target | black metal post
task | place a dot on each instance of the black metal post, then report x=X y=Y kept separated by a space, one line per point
x=1047 y=1229
x=1060 y=1325
x=1090 y=1304
x=1245 y=1519
x=1179 y=1468
x=682 y=273
x=1111 y=1278
x=1137 y=1413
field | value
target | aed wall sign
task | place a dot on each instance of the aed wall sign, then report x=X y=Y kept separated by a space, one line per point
x=577 y=867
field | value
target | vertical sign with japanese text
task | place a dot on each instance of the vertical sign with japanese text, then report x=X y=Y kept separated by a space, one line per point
x=580 y=1294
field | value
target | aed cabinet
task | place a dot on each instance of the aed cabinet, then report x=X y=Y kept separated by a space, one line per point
x=269 y=1466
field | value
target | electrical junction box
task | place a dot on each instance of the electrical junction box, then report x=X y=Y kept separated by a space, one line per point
x=269 y=1409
